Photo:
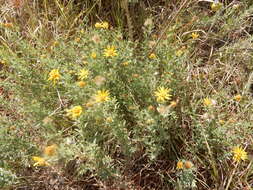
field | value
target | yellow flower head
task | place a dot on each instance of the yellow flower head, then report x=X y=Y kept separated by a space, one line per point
x=221 y=121
x=77 y=40
x=39 y=161
x=93 y=55
x=208 y=102
x=194 y=35
x=180 y=165
x=179 y=53
x=102 y=96
x=54 y=75
x=75 y=112
x=216 y=6
x=152 y=56
x=110 y=51
x=50 y=150
x=162 y=94
x=104 y=25
x=238 y=98
x=125 y=63
x=239 y=154
x=81 y=84
x=83 y=74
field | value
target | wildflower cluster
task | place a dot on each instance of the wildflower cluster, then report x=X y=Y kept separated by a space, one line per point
x=49 y=151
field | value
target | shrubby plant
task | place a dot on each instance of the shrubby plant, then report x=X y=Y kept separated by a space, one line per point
x=90 y=104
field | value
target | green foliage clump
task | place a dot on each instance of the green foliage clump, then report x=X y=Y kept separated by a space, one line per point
x=6 y=178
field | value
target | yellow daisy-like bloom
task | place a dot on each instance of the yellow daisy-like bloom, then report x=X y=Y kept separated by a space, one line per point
x=50 y=150
x=179 y=53
x=162 y=94
x=239 y=154
x=93 y=55
x=216 y=6
x=194 y=35
x=54 y=75
x=152 y=56
x=104 y=25
x=207 y=102
x=102 y=96
x=75 y=112
x=39 y=161
x=83 y=74
x=180 y=165
x=110 y=51
x=238 y=98
x=81 y=84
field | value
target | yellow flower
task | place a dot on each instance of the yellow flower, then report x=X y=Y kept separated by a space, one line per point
x=238 y=98
x=125 y=63
x=75 y=112
x=110 y=51
x=39 y=161
x=93 y=55
x=179 y=53
x=98 y=25
x=54 y=75
x=194 y=35
x=152 y=56
x=216 y=6
x=109 y=119
x=50 y=150
x=81 y=84
x=180 y=165
x=222 y=122
x=102 y=96
x=208 y=102
x=55 y=43
x=162 y=94
x=77 y=40
x=83 y=74
x=239 y=154
x=104 y=25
